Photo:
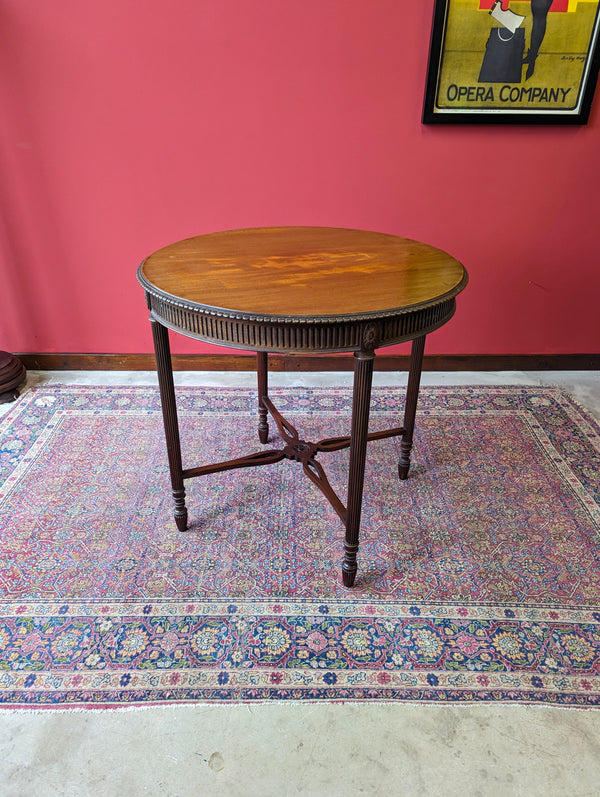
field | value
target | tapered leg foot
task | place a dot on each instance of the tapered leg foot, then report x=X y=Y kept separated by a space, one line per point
x=181 y=513
x=404 y=460
x=181 y=520
x=403 y=468
x=348 y=577
x=349 y=566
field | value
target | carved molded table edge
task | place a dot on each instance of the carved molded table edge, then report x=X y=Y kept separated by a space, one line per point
x=259 y=332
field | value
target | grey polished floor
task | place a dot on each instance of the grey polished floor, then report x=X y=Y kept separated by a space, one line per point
x=308 y=749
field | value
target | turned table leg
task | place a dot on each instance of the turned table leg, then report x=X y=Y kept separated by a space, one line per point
x=363 y=375
x=410 y=407
x=164 y=369
x=262 y=371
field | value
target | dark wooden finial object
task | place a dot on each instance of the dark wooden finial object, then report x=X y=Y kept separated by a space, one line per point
x=12 y=376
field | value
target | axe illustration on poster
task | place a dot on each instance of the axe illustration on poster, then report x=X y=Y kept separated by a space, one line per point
x=506 y=17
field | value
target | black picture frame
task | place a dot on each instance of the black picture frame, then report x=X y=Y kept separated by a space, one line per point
x=545 y=84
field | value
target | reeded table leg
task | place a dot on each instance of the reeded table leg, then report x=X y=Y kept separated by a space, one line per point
x=262 y=371
x=363 y=375
x=164 y=369
x=410 y=407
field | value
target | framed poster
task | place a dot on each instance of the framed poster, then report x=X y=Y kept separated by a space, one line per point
x=515 y=61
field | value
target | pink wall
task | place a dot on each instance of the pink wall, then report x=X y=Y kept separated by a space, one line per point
x=126 y=125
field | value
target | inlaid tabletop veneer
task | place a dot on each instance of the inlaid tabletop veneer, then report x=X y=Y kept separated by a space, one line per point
x=300 y=289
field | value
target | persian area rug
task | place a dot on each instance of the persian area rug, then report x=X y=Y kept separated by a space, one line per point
x=478 y=579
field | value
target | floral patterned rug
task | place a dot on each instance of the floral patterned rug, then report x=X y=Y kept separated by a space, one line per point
x=478 y=580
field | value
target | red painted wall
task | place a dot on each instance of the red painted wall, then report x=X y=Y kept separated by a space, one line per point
x=127 y=125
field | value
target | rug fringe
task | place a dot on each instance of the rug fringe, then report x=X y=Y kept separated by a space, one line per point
x=290 y=705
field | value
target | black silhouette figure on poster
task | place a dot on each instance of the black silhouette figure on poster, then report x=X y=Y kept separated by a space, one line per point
x=504 y=52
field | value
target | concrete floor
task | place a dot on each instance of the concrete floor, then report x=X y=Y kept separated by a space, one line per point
x=307 y=749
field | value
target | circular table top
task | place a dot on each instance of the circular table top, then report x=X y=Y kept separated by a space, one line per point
x=305 y=273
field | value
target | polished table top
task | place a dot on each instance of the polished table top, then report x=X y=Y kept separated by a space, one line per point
x=302 y=273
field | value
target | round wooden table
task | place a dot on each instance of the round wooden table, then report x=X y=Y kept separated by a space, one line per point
x=300 y=289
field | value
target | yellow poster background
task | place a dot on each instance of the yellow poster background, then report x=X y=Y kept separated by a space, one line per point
x=559 y=68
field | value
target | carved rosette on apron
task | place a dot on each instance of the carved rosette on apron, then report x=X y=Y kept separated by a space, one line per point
x=371 y=337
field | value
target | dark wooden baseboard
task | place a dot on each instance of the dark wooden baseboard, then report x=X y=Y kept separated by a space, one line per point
x=314 y=362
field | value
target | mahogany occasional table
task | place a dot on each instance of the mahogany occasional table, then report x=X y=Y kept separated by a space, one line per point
x=300 y=289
